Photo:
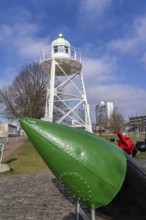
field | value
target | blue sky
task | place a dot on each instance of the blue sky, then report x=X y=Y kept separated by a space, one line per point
x=111 y=35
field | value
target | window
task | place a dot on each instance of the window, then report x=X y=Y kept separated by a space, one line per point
x=55 y=49
x=61 y=48
x=66 y=49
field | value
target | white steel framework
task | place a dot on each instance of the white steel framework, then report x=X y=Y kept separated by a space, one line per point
x=66 y=100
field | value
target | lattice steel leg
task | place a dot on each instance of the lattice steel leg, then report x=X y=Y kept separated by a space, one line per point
x=92 y=214
x=78 y=211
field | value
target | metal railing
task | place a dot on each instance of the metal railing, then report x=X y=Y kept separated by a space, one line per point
x=47 y=54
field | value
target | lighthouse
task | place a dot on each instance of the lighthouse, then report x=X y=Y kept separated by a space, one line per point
x=66 y=101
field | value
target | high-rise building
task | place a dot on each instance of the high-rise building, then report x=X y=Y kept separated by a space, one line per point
x=103 y=111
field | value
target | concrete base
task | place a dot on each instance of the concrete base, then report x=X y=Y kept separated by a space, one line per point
x=4 y=168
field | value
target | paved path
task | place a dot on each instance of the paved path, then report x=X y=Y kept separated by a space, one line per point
x=12 y=145
x=36 y=197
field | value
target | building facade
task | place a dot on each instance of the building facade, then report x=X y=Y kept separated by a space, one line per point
x=103 y=111
x=138 y=123
x=8 y=130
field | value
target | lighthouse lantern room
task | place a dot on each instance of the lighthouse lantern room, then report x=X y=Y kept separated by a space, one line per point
x=66 y=100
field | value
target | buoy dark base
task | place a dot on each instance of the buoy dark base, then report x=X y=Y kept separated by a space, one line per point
x=130 y=202
x=141 y=146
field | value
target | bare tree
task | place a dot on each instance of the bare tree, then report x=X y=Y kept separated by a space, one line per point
x=26 y=95
x=116 y=120
x=103 y=122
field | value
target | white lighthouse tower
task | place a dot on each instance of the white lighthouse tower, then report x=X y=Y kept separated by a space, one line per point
x=66 y=100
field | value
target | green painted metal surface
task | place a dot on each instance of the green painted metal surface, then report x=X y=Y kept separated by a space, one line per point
x=60 y=41
x=91 y=168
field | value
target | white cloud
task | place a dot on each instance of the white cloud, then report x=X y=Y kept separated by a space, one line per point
x=31 y=48
x=143 y=59
x=128 y=99
x=5 y=33
x=99 y=70
x=134 y=39
x=22 y=39
x=94 y=8
x=7 y=76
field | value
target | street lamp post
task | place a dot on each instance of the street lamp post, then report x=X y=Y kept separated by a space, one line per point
x=8 y=130
x=144 y=122
x=8 y=134
x=145 y=133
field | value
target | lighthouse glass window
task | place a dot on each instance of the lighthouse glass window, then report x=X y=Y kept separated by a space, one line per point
x=55 y=49
x=61 y=48
x=66 y=49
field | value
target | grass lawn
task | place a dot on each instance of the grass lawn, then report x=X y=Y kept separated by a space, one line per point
x=24 y=160
x=141 y=156
x=133 y=136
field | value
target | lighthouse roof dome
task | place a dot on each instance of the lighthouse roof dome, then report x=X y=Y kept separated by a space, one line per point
x=60 y=41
